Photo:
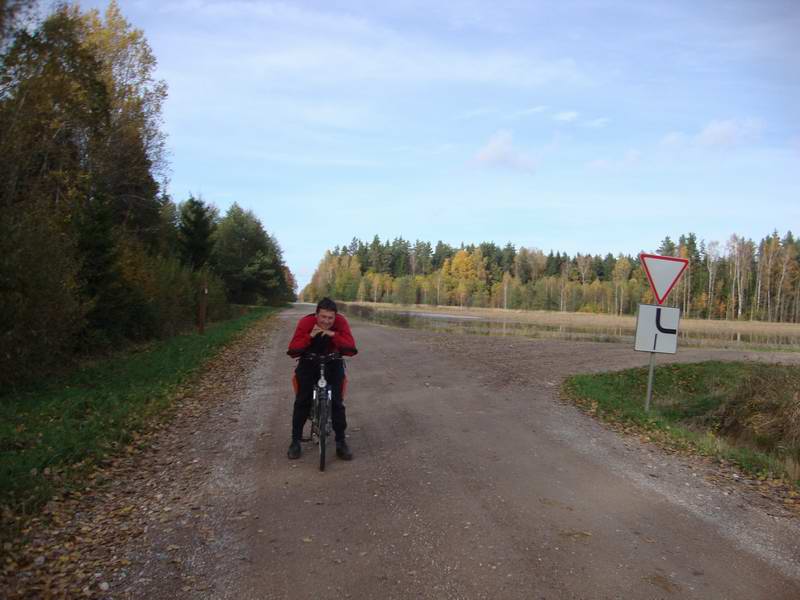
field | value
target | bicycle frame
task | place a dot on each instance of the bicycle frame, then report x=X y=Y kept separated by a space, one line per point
x=321 y=405
x=321 y=392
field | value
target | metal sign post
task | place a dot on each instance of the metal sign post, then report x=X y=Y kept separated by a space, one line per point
x=650 y=382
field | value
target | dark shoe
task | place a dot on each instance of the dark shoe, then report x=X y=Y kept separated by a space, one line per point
x=294 y=450
x=342 y=451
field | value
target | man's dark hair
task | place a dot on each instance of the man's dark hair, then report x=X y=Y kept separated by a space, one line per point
x=326 y=304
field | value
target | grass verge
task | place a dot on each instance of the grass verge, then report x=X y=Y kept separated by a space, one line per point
x=743 y=412
x=53 y=432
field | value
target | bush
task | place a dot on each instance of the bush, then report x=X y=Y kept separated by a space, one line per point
x=167 y=293
x=764 y=411
x=41 y=311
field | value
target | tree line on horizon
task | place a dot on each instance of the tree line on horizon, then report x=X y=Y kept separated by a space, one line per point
x=740 y=279
x=94 y=251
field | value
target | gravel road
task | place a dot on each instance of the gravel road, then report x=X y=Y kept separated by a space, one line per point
x=471 y=479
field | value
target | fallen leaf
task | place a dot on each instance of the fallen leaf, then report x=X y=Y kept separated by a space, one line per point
x=576 y=535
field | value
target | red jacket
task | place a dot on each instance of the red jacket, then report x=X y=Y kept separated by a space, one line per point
x=341 y=342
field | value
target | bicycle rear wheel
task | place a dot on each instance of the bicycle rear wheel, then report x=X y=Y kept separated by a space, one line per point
x=323 y=407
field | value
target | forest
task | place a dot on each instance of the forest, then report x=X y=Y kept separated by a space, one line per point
x=95 y=252
x=740 y=279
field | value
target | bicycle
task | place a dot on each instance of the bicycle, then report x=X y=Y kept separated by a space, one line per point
x=321 y=400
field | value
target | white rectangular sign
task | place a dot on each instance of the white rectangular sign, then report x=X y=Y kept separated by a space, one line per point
x=657 y=329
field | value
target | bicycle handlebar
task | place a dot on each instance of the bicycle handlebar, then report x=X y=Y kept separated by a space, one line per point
x=324 y=358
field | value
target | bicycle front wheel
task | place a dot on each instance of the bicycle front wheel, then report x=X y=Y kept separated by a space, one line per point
x=323 y=407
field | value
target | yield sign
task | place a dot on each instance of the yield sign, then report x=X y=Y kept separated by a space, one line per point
x=663 y=273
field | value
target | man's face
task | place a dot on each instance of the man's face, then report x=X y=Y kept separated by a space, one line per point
x=325 y=318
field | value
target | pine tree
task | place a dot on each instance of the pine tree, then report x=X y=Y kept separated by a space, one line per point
x=195 y=230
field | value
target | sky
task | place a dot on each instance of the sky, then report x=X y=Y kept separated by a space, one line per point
x=580 y=126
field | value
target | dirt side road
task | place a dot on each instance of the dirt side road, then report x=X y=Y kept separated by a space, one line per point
x=470 y=480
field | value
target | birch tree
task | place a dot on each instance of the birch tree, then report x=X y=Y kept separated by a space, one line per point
x=584 y=262
x=787 y=257
x=712 y=265
x=622 y=270
x=771 y=248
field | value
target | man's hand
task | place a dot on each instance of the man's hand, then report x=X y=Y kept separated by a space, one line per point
x=319 y=330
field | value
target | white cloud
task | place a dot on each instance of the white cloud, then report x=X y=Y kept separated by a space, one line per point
x=566 y=116
x=597 y=123
x=728 y=133
x=674 y=139
x=402 y=61
x=500 y=151
x=319 y=47
x=486 y=112
x=716 y=134
x=286 y=13
x=534 y=110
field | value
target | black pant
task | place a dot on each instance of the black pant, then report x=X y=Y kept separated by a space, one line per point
x=307 y=372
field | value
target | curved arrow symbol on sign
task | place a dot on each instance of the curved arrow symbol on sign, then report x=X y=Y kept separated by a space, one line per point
x=658 y=324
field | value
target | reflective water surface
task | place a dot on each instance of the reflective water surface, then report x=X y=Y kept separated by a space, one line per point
x=456 y=323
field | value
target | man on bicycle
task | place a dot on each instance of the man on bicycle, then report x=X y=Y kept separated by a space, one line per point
x=320 y=333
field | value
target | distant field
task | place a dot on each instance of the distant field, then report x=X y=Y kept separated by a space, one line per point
x=601 y=327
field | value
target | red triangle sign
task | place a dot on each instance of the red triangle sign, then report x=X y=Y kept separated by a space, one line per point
x=663 y=273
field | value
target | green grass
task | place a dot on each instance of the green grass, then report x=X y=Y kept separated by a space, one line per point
x=51 y=433
x=743 y=412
